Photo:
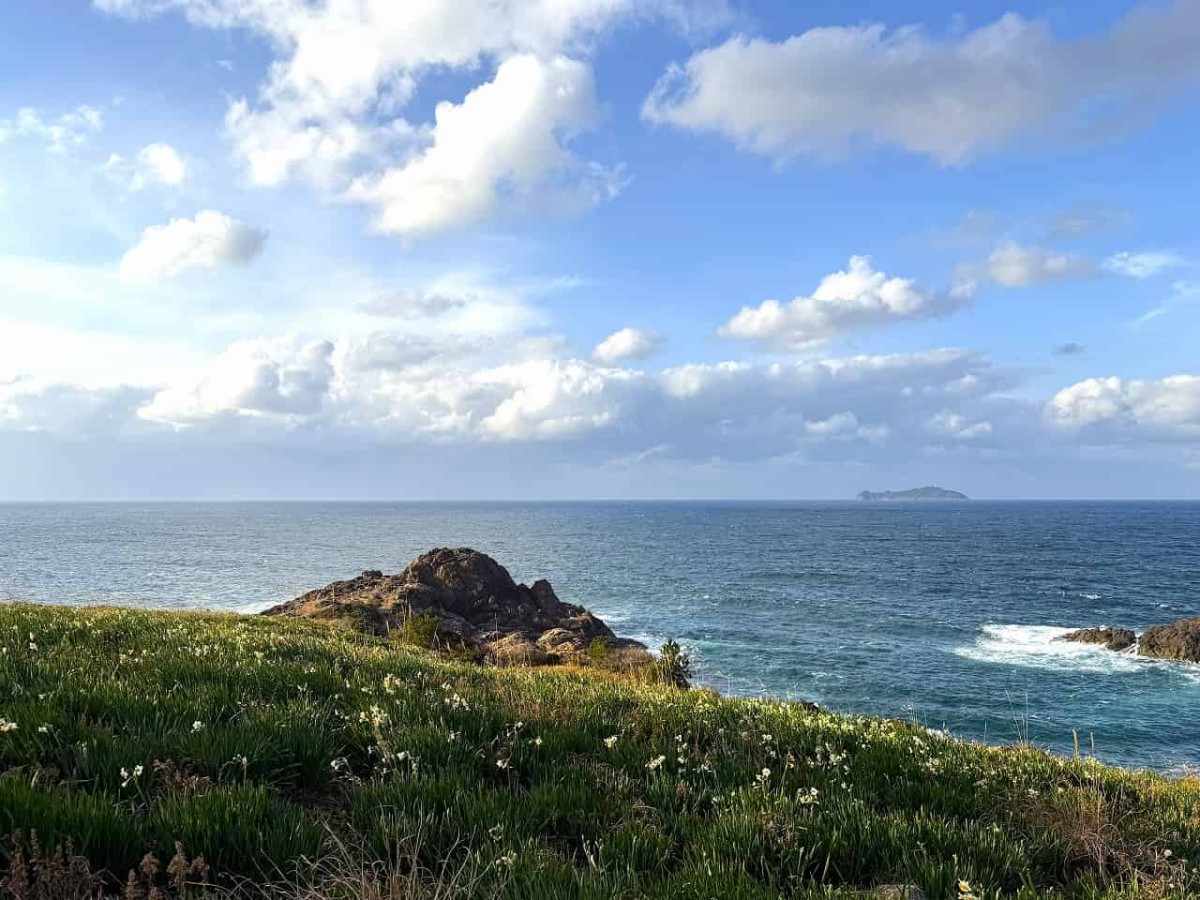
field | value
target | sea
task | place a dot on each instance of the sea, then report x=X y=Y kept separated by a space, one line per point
x=940 y=613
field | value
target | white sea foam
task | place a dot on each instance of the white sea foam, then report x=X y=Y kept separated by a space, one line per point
x=1034 y=646
x=1090 y=596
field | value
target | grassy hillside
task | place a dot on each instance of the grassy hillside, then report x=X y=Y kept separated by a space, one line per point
x=335 y=765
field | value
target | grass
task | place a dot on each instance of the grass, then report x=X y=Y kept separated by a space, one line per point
x=302 y=761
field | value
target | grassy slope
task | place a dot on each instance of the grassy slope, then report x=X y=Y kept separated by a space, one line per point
x=264 y=741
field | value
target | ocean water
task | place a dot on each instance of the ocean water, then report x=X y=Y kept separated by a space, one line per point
x=942 y=613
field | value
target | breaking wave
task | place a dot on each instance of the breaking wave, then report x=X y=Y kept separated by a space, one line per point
x=1035 y=647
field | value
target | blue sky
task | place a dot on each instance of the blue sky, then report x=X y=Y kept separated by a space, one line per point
x=597 y=248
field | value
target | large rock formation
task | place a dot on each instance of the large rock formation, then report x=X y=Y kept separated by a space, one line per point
x=1112 y=638
x=472 y=600
x=1179 y=641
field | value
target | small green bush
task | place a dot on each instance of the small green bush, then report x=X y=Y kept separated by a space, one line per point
x=421 y=630
x=597 y=651
x=675 y=665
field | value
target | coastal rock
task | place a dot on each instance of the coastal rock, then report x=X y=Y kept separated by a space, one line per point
x=1111 y=638
x=473 y=602
x=516 y=650
x=1178 y=641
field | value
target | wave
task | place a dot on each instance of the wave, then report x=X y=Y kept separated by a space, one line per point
x=1034 y=646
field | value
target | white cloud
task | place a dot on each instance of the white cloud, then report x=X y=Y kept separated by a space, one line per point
x=1081 y=221
x=331 y=110
x=949 y=97
x=956 y=425
x=851 y=300
x=1168 y=408
x=208 y=241
x=1014 y=265
x=1142 y=265
x=62 y=134
x=503 y=139
x=551 y=399
x=1183 y=293
x=66 y=410
x=157 y=164
x=392 y=387
x=283 y=380
x=413 y=303
x=628 y=343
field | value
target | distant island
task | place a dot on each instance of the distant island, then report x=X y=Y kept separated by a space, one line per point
x=928 y=492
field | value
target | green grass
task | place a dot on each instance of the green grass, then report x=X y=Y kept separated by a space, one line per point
x=290 y=752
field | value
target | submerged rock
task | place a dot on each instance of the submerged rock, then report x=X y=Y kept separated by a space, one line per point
x=469 y=599
x=1112 y=638
x=1179 y=641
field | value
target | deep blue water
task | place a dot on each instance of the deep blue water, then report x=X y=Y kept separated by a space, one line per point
x=942 y=613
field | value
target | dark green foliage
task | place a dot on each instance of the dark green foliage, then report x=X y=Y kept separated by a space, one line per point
x=675 y=665
x=421 y=630
x=293 y=752
x=597 y=651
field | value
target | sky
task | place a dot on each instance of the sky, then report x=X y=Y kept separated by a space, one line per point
x=554 y=249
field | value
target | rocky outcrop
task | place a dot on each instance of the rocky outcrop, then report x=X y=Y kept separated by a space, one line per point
x=1112 y=638
x=1179 y=641
x=471 y=601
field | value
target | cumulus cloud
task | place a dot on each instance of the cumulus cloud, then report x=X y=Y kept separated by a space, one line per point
x=628 y=343
x=283 y=381
x=504 y=138
x=393 y=387
x=157 y=164
x=851 y=300
x=60 y=134
x=948 y=97
x=1142 y=265
x=1167 y=408
x=208 y=241
x=331 y=110
x=36 y=406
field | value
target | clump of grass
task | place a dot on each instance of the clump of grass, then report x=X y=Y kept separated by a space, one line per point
x=268 y=746
x=421 y=630
x=597 y=652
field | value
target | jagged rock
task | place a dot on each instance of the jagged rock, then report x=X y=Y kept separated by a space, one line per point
x=516 y=650
x=1178 y=641
x=472 y=599
x=1112 y=638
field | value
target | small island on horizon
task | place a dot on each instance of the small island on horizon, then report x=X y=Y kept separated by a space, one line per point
x=929 y=492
